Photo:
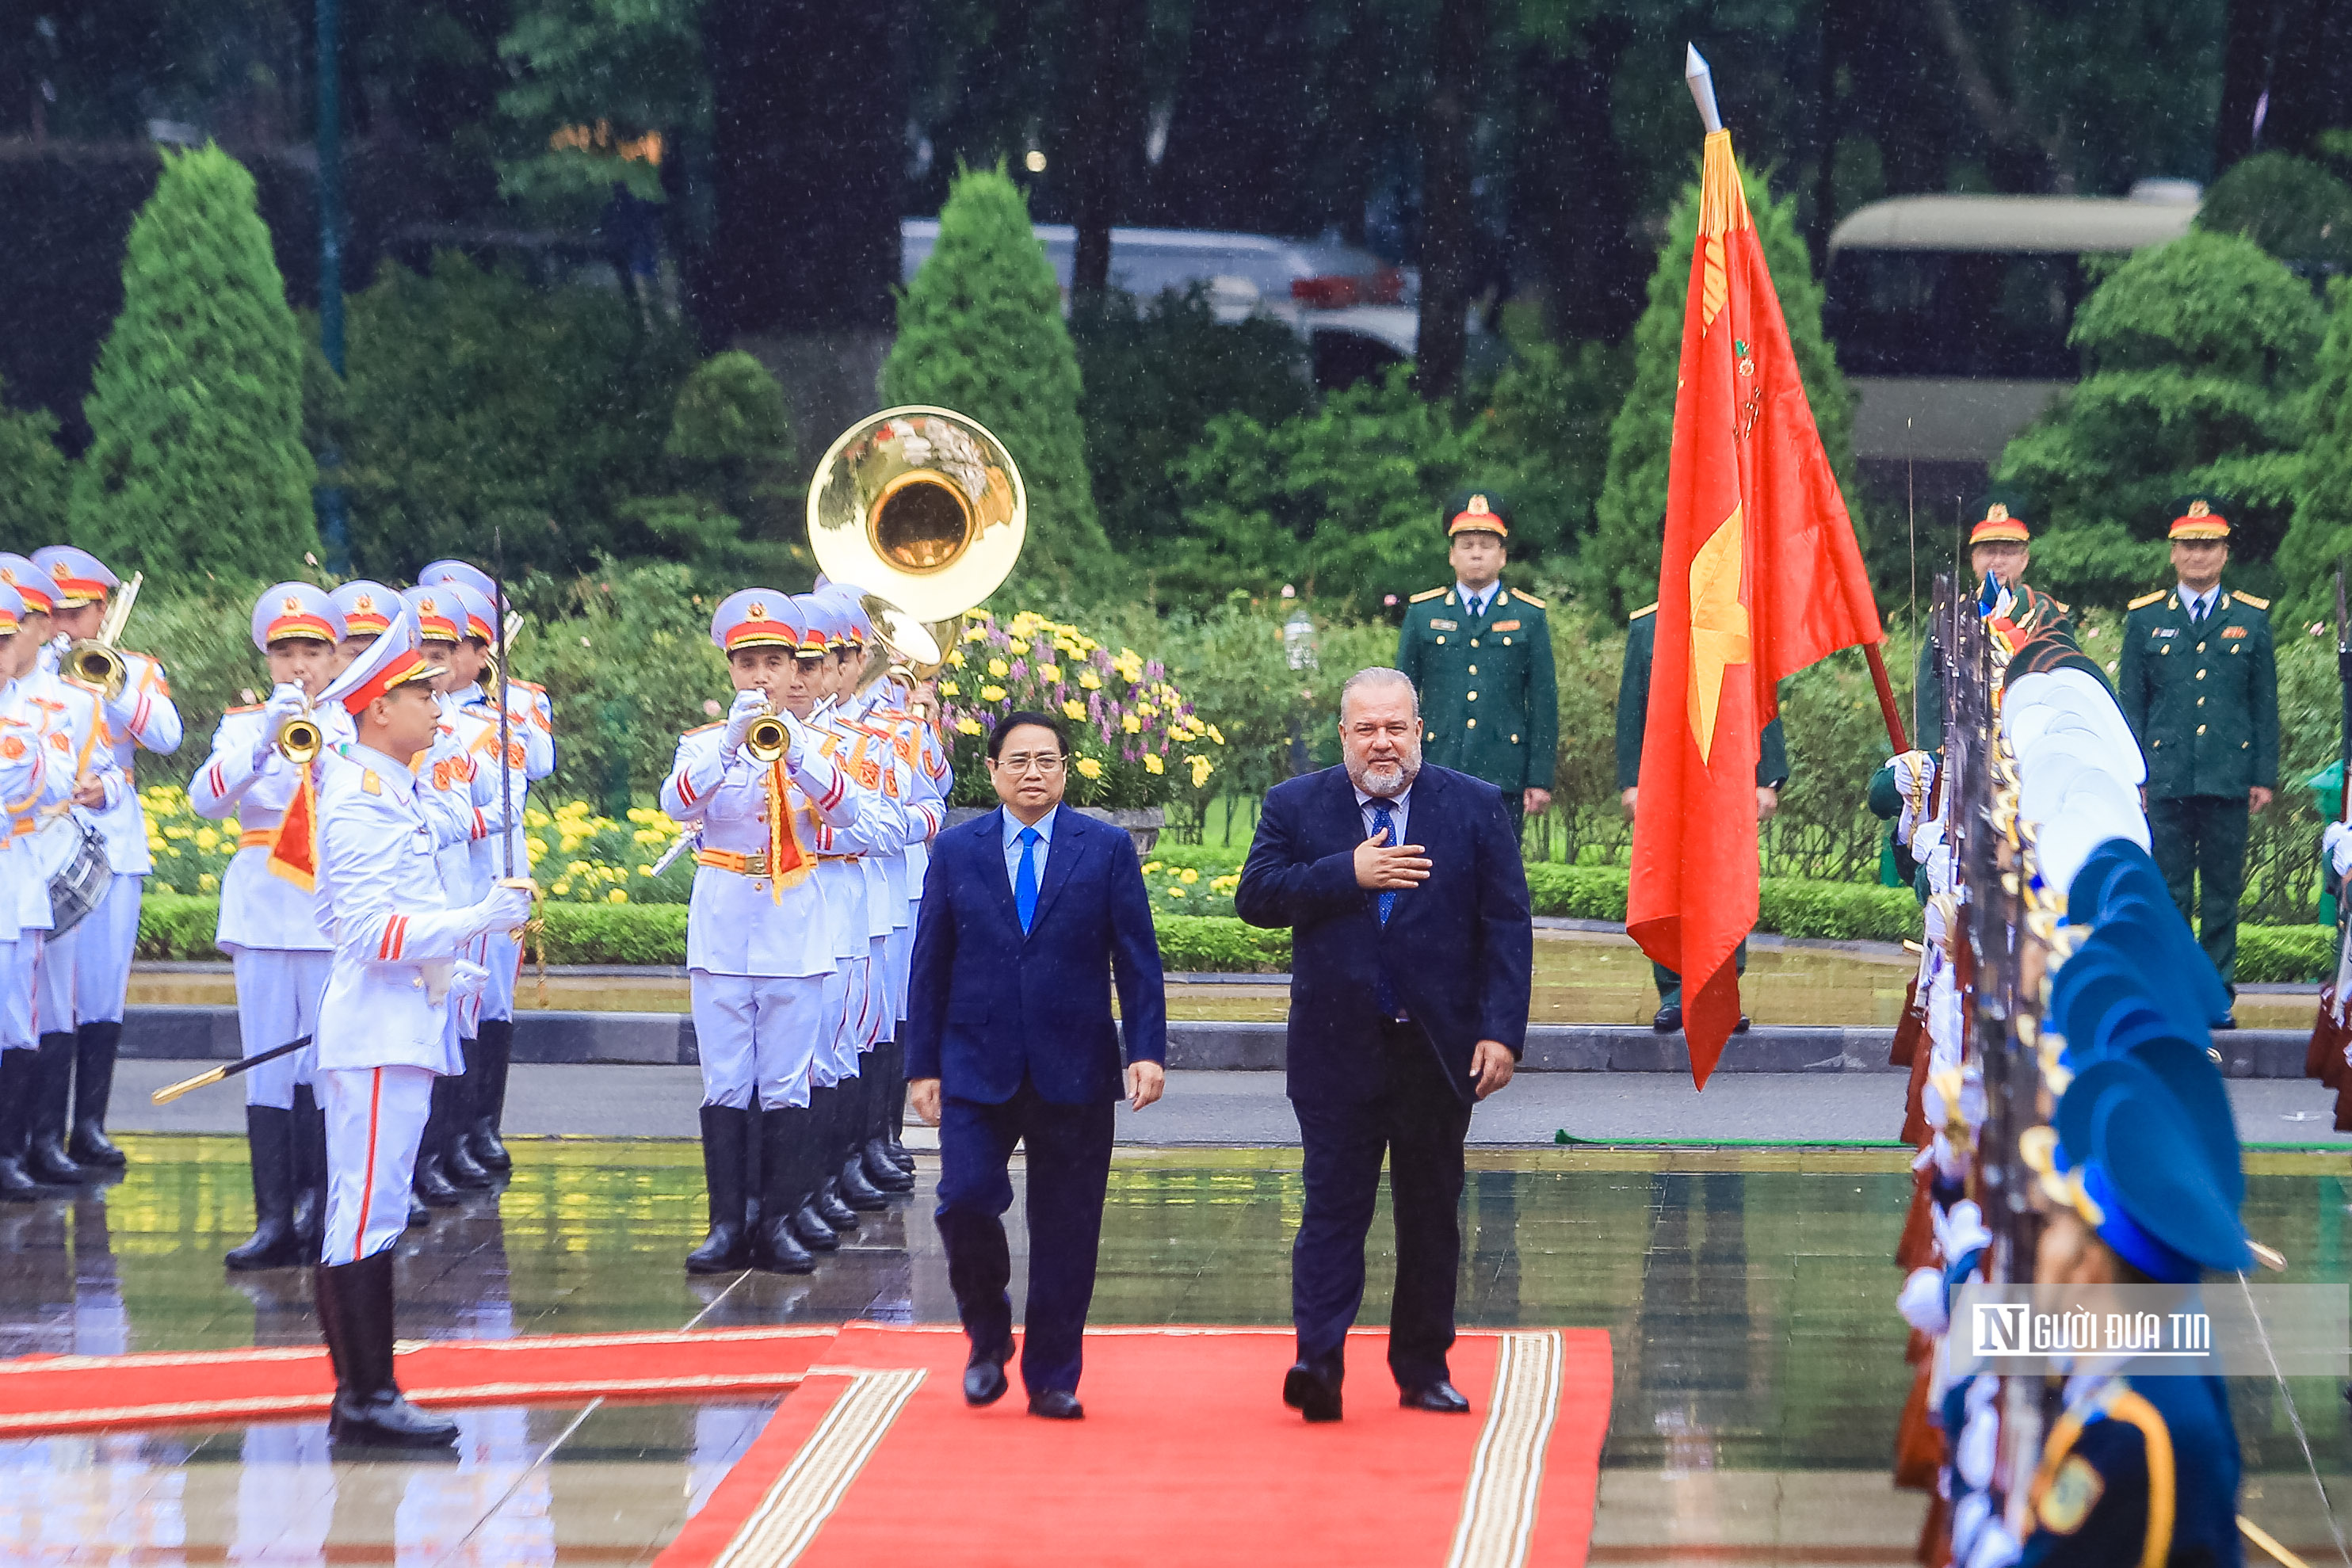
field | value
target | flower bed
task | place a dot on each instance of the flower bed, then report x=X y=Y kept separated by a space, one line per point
x=1136 y=740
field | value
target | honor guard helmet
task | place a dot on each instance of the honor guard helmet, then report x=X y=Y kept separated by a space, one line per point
x=81 y=578
x=12 y=610
x=756 y=618
x=367 y=607
x=436 y=609
x=391 y=660
x=2199 y=521
x=295 y=610
x=820 y=627
x=477 y=621
x=36 y=593
x=1477 y=511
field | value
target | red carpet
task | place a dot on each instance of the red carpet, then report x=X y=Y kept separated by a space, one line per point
x=1187 y=1457
x=46 y=1394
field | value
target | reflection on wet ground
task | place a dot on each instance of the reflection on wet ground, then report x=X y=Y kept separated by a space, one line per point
x=1748 y=1294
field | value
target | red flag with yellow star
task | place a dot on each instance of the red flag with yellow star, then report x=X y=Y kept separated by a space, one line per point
x=1760 y=576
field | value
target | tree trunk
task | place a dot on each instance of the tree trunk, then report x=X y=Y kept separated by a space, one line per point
x=1106 y=139
x=1448 y=224
x=1243 y=120
x=808 y=157
x=1574 y=204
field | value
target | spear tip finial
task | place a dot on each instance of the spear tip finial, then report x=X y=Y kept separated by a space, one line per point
x=1702 y=86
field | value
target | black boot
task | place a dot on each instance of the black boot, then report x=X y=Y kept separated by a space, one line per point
x=45 y=1158
x=94 y=1047
x=778 y=1250
x=728 y=1247
x=355 y=1311
x=457 y=1161
x=861 y=1196
x=417 y=1213
x=826 y=1201
x=497 y=1043
x=270 y=1139
x=894 y=1119
x=309 y=1166
x=430 y=1184
x=17 y=1070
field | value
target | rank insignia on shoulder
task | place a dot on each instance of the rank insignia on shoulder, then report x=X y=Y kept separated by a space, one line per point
x=1511 y=625
x=1437 y=625
x=1524 y=597
x=1649 y=609
x=2145 y=599
x=1424 y=596
x=2235 y=631
x=370 y=783
x=2074 y=1491
x=2249 y=599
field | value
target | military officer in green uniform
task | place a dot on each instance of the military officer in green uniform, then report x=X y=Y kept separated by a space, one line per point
x=2198 y=683
x=1999 y=548
x=1632 y=717
x=1480 y=656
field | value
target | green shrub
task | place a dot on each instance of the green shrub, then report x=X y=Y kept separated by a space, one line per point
x=737 y=510
x=980 y=332
x=650 y=934
x=2290 y=206
x=2286 y=955
x=195 y=465
x=1787 y=906
x=178 y=928
x=1206 y=943
x=34 y=479
x=2318 y=537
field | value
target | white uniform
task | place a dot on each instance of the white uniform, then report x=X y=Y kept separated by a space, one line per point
x=76 y=712
x=458 y=796
x=383 y=1027
x=271 y=927
x=841 y=874
x=35 y=776
x=876 y=841
x=142 y=717
x=757 y=951
x=530 y=756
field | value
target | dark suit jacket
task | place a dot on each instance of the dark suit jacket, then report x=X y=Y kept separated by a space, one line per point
x=986 y=1004
x=1460 y=947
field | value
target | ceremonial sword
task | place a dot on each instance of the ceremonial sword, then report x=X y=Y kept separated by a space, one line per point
x=171 y=1092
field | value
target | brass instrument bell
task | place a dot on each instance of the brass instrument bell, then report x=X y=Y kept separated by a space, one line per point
x=298 y=738
x=95 y=661
x=921 y=507
x=768 y=739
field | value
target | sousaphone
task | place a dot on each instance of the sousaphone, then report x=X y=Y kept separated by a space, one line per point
x=924 y=512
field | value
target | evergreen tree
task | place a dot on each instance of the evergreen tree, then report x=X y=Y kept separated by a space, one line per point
x=2320 y=536
x=980 y=332
x=1618 y=570
x=195 y=463
x=737 y=509
x=2196 y=354
x=33 y=480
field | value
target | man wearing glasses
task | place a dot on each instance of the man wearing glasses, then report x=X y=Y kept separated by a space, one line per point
x=1029 y=914
x=1411 y=956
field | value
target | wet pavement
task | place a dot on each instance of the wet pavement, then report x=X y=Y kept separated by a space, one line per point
x=1747 y=1292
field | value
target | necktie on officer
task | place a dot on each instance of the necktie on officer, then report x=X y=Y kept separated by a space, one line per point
x=1385 y=995
x=1025 y=884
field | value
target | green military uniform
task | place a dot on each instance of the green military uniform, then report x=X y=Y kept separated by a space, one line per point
x=1633 y=720
x=2033 y=614
x=1489 y=699
x=2202 y=696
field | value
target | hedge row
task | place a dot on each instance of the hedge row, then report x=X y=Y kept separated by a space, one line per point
x=2284 y=955
x=1840 y=911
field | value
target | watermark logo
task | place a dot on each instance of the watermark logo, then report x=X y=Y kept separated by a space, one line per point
x=2223 y=1329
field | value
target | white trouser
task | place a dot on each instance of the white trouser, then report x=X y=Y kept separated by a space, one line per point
x=902 y=954
x=103 y=943
x=504 y=961
x=881 y=1021
x=375 y=1119
x=757 y=1032
x=845 y=1000
x=53 y=982
x=278 y=995
x=19 y=960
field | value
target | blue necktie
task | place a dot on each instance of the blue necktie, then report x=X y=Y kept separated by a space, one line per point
x=1025 y=884
x=1385 y=994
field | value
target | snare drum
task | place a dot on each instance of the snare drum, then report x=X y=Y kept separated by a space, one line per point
x=70 y=856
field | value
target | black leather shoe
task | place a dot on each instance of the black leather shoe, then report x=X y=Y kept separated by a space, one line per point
x=1440 y=1396
x=859 y=1194
x=984 y=1382
x=417 y=1213
x=883 y=1171
x=1669 y=1019
x=430 y=1186
x=1741 y=1027
x=900 y=1156
x=776 y=1250
x=94 y=1049
x=1057 y=1405
x=2229 y=1020
x=1310 y=1394
x=837 y=1216
x=814 y=1234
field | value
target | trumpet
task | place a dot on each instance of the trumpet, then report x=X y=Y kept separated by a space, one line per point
x=96 y=661
x=298 y=738
x=768 y=739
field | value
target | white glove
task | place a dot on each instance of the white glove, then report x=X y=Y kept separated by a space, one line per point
x=797 y=752
x=1921 y=1302
x=466 y=980
x=504 y=910
x=749 y=705
x=284 y=702
x=2337 y=842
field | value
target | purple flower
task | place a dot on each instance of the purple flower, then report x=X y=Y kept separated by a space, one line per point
x=1020 y=669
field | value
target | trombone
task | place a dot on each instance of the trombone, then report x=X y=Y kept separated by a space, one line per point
x=97 y=662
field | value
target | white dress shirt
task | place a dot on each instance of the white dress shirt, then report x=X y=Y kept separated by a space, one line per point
x=2200 y=605
x=1013 y=827
x=1476 y=602
x=1397 y=806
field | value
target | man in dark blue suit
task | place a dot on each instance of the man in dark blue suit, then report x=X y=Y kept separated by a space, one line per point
x=1412 y=952
x=1028 y=914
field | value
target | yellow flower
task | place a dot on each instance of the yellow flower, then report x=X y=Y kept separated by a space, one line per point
x=1132 y=724
x=1088 y=767
x=577 y=868
x=955 y=657
x=206 y=839
x=644 y=871
x=616 y=896
x=177 y=831
x=968 y=727
x=1049 y=671
x=1089 y=680
x=1188 y=876
x=1225 y=885
x=1073 y=708
x=976 y=632
x=949 y=689
x=560 y=888
x=1151 y=763
x=1216 y=735
x=1150 y=866
x=1200 y=771
x=998 y=667
x=533 y=817
x=207 y=883
x=537 y=846
x=991 y=694
x=1176 y=892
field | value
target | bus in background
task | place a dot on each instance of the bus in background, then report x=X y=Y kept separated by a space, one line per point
x=1949 y=315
